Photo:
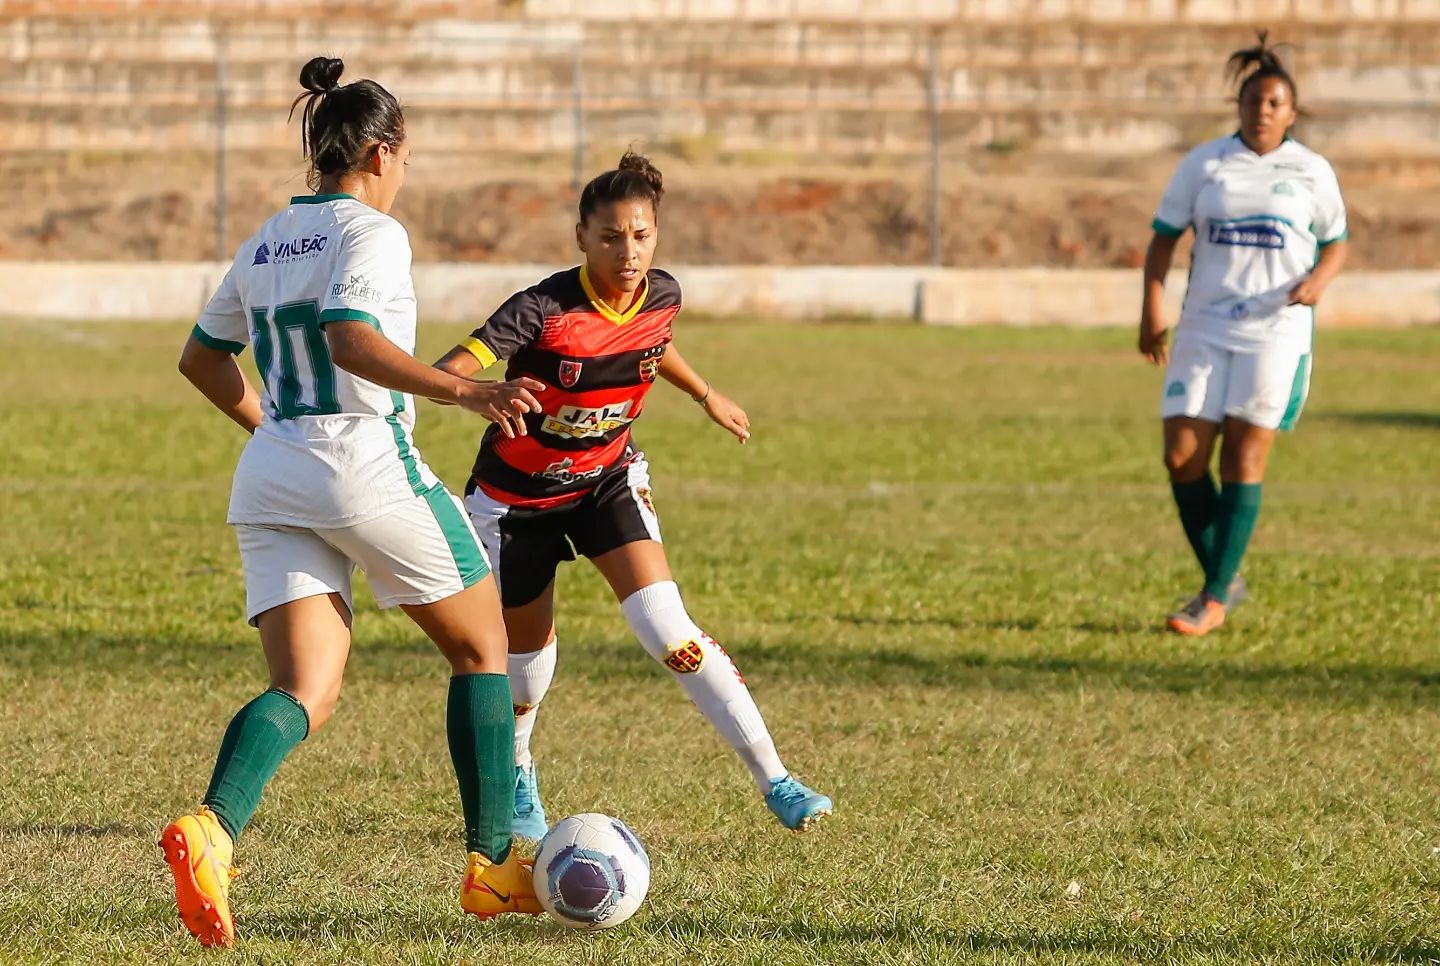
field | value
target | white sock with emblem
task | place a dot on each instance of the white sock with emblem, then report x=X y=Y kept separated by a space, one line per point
x=530 y=677
x=657 y=616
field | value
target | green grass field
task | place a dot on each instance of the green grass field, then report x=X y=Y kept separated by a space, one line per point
x=942 y=566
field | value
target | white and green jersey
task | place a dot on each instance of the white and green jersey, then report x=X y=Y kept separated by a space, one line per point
x=1260 y=222
x=333 y=450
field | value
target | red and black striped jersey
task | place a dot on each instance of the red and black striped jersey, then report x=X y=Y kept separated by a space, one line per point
x=597 y=365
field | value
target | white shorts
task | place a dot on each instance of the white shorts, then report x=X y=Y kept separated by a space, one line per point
x=420 y=552
x=1265 y=389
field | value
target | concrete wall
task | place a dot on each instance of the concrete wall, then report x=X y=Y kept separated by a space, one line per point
x=864 y=11
x=464 y=293
x=910 y=11
x=818 y=77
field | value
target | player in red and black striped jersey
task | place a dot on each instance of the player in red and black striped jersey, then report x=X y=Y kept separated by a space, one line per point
x=569 y=480
x=597 y=365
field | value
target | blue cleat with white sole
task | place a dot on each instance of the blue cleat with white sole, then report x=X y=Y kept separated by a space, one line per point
x=528 y=821
x=798 y=808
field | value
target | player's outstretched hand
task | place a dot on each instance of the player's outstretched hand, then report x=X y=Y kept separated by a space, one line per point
x=1308 y=292
x=1153 y=341
x=724 y=411
x=504 y=403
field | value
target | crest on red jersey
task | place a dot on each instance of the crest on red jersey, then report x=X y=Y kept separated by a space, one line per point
x=649 y=369
x=569 y=373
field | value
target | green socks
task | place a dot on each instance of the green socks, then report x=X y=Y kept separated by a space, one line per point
x=1234 y=522
x=259 y=737
x=480 y=721
x=479 y=718
x=1198 y=501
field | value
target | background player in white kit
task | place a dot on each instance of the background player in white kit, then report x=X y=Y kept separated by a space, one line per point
x=331 y=479
x=1270 y=235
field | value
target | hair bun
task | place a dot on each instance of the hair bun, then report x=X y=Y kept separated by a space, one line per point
x=1261 y=60
x=643 y=166
x=322 y=74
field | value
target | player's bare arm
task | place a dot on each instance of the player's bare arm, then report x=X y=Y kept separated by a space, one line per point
x=1153 y=329
x=215 y=373
x=1313 y=286
x=719 y=407
x=503 y=403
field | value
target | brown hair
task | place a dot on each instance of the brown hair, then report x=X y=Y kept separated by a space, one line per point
x=1252 y=64
x=340 y=125
x=635 y=177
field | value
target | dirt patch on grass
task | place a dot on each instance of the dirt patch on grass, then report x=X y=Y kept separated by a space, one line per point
x=996 y=210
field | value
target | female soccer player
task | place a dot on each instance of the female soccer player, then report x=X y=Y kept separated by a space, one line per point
x=598 y=336
x=331 y=479
x=1270 y=235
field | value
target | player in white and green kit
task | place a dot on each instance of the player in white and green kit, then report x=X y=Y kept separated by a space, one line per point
x=331 y=480
x=1270 y=230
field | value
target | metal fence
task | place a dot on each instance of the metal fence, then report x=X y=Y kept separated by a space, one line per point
x=912 y=93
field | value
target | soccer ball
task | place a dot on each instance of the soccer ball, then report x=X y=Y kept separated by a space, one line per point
x=591 y=872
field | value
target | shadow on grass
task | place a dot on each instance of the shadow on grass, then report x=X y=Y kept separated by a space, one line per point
x=958 y=667
x=306 y=922
x=926 y=940
x=1024 y=624
x=962 y=668
x=1408 y=419
x=915 y=931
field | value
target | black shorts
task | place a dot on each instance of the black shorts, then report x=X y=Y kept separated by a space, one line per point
x=526 y=546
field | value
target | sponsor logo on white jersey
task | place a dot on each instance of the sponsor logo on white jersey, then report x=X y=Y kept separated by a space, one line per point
x=290 y=250
x=1247 y=234
x=574 y=422
x=357 y=289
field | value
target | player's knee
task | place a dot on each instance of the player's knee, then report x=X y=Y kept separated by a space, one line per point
x=319 y=712
x=318 y=700
x=1184 y=463
x=657 y=616
x=474 y=654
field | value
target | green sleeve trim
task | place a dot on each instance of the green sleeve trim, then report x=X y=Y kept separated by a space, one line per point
x=210 y=342
x=348 y=315
x=1167 y=229
x=1343 y=236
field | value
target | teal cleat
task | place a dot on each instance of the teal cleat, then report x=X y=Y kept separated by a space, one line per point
x=797 y=807
x=528 y=821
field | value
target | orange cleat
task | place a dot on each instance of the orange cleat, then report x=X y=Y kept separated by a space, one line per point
x=199 y=852
x=490 y=890
x=1199 y=617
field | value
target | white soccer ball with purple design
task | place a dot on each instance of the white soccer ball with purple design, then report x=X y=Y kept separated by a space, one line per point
x=591 y=872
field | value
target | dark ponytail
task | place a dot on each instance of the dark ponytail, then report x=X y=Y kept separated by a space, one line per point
x=1256 y=63
x=341 y=125
x=634 y=178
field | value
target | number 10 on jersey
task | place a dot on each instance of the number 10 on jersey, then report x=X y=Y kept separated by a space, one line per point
x=297 y=387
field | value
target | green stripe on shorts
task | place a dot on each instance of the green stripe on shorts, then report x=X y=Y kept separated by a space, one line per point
x=469 y=559
x=407 y=458
x=1298 y=389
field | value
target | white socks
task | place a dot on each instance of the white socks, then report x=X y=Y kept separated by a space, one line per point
x=657 y=616
x=530 y=676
